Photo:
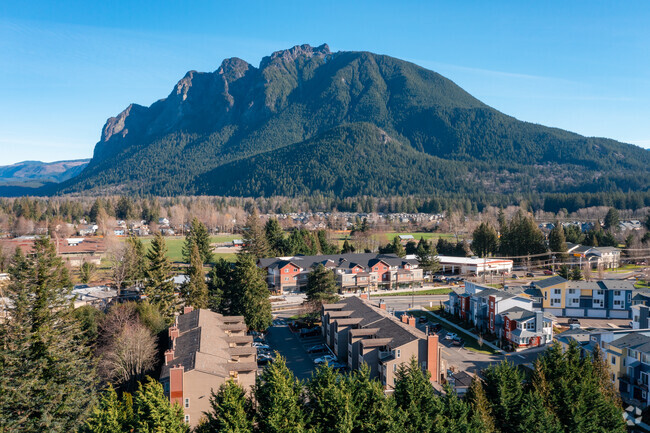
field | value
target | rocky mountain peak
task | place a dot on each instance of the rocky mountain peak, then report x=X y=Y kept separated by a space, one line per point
x=290 y=55
x=233 y=68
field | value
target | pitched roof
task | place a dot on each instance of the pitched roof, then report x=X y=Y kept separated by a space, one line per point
x=342 y=261
x=634 y=341
x=548 y=282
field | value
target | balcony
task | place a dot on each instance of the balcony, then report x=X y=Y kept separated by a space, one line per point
x=385 y=354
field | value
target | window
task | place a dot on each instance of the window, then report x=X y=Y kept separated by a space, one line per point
x=644 y=394
x=646 y=360
x=600 y=292
x=613 y=360
x=295 y=270
x=631 y=353
x=286 y=270
x=618 y=303
x=557 y=291
x=394 y=367
x=575 y=301
x=286 y=278
x=187 y=419
x=399 y=353
x=617 y=293
x=187 y=403
x=545 y=296
x=572 y=291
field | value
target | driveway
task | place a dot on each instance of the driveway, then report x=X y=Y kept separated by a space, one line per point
x=281 y=339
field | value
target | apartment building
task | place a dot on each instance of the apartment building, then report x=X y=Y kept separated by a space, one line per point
x=206 y=349
x=627 y=354
x=359 y=332
x=595 y=257
x=354 y=272
x=525 y=328
x=598 y=299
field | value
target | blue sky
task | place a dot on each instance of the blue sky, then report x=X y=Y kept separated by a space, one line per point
x=65 y=67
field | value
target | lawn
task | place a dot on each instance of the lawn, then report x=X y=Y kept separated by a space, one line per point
x=625 y=268
x=175 y=246
x=388 y=236
x=470 y=342
x=417 y=293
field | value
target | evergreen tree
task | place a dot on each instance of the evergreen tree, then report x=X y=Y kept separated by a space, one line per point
x=219 y=280
x=321 y=286
x=137 y=260
x=480 y=406
x=504 y=391
x=279 y=400
x=195 y=290
x=557 y=242
x=94 y=210
x=47 y=381
x=415 y=396
x=250 y=294
x=152 y=411
x=329 y=402
x=87 y=271
x=576 y=274
x=231 y=411
x=455 y=415
x=326 y=247
x=427 y=256
x=397 y=248
x=347 y=248
x=484 y=240
x=198 y=235
x=522 y=237
x=159 y=286
x=536 y=417
x=109 y=416
x=374 y=413
x=255 y=242
x=275 y=238
x=564 y=272
x=611 y=219
x=411 y=247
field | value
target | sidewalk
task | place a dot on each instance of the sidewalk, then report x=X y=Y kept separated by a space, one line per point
x=465 y=331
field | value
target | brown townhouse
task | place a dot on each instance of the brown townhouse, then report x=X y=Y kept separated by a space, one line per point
x=358 y=332
x=206 y=349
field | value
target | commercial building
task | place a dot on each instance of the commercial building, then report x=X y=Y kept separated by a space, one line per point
x=75 y=251
x=359 y=332
x=595 y=257
x=473 y=265
x=354 y=272
x=206 y=349
x=598 y=299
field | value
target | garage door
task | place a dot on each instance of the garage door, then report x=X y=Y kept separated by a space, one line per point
x=554 y=311
x=574 y=312
x=619 y=314
x=596 y=313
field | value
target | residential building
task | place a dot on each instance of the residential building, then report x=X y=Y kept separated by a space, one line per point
x=640 y=316
x=599 y=299
x=361 y=333
x=354 y=272
x=98 y=296
x=605 y=257
x=460 y=382
x=473 y=265
x=75 y=251
x=525 y=328
x=206 y=349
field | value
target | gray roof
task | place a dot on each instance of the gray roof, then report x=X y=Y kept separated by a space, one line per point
x=341 y=261
x=634 y=341
x=547 y=282
x=517 y=313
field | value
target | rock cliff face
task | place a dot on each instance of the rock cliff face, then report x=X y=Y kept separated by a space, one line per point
x=309 y=101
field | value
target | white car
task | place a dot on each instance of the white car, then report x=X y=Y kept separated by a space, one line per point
x=261 y=346
x=450 y=336
x=325 y=359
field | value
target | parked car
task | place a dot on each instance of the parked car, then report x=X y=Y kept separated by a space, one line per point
x=310 y=332
x=574 y=321
x=319 y=348
x=264 y=358
x=450 y=336
x=325 y=359
x=457 y=341
x=514 y=276
x=547 y=272
x=338 y=366
x=530 y=274
x=422 y=319
x=435 y=327
x=261 y=346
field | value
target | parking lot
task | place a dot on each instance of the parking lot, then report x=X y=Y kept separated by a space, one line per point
x=294 y=348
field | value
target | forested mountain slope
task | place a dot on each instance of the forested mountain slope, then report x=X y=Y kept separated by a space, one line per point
x=341 y=123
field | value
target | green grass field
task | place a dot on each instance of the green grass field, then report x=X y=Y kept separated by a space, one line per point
x=175 y=246
x=388 y=236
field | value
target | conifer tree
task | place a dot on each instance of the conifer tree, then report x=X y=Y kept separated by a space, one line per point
x=611 y=219
x=137 y=261
x=219 y=281
x=152 y=411
x=195 y=290
x=321 y=286
x=329 y=402
x=480 y=406
x=564 y=272
x=231 y=411
x=484 y=240
x=415 y=396
x=198 y=235
x=557 y=242
x=427 y=256
x=47 y=381
x=576 y=274
x=250 y=294
x=504 y=391
x=347 y=248
x=279 y=400
x=159 y=287
x=397 y=248
x=374 y=413
x=536 y=417
x=255 y=242
x=275 y=238
x=109 y=415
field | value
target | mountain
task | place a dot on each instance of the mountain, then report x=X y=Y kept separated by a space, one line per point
x=347 y=123
x=34 y=172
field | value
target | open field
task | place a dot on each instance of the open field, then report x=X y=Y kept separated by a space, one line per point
x=175 y=246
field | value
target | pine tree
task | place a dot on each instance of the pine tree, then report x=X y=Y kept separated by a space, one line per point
x=347 y=248
x=329 y=402
x=397 y=248
x=231 y=411
x=536 y=417
x=374 y=412
x=576 y=274
x=198 y=235
x=137 y=260
x=279 y=400
x=250 y=294
x=275 y=238
x=484 y=240
x=152 y=411
x=109 y=416
x=611 y=219
x=415 y=396
x=564 y=272
x=325 y=246
x=47 y=381
x=480 y=406
x=427 y=256
x=321 y=286
x=159 y=287
x=219 y=282
x=557 y=242
x=255 y=242
x=504 y=391
x=195 y=290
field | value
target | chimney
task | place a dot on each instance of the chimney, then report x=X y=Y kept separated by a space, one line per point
x=539 y=321
x=382 y=304
x=188 y=309
x=173 y=332
x=433 y=357
x=405 y=318
x=412 y=321
x=176 y=384
x=364 y=296
x=169 y=356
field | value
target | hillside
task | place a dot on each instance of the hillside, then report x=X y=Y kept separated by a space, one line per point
x=33 y=172
x=345 y=123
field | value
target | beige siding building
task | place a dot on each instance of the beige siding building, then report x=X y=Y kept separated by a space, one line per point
x=206 y=349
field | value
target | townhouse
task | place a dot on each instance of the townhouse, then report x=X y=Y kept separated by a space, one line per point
x=360 y=333
x=626 y=353
x=525 y=328
x=354 y=272
x=205 y=350
x=598 y=299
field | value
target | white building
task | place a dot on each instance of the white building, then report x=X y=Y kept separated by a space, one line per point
x=469 y=265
